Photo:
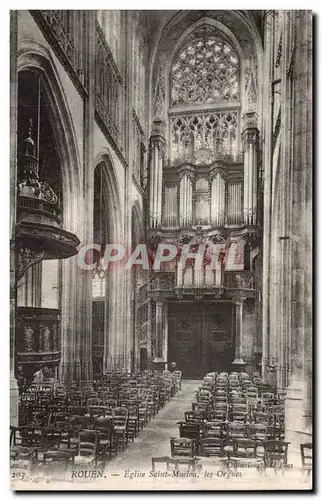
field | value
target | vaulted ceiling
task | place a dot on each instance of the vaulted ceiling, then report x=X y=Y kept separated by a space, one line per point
x=156 y=21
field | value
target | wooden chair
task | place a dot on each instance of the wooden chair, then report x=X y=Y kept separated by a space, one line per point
x=275 y=454
x=221 y=392
x=178 y=375
x=87 y=449
x=259 y=417
x=307 y=457
x=220 y=411
x=239 y=412
x=191 y=431
x=257 y=431
x=276 y=430
x=26 y=436
x=182 y=448
x=214 y=429
x=22 y=459
x=200 y=407
x=211 y=446
x=143 y=412
x=237 y=400
x=194 y=417
x=245 y=451
x=106 y=445
x=120 y=424
x=56 y=461
x=236 y=430
x=169 y=464
x=133 y=421
x=51 y=439
x=220 y=399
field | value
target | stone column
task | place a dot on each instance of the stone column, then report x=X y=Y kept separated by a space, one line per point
x=165 y=333
x=128 y=329
x=134 y=348
x=113 y=344
x=238 y=362
x=267 y=201
x=85 y=291
x=298 y=404
x=14 y=393
x=157 y=147
x=250 y=140
x=149 y=334
x=159 y=330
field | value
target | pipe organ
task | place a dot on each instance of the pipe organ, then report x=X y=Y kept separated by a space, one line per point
x=185 y=201
x=234 y=203
x=192 y=277
x=217 y=198
x=210 y=189
x=213 y=200
x=170 y=208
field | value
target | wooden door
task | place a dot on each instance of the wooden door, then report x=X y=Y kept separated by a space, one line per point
x=185 y=339
x=200 y=338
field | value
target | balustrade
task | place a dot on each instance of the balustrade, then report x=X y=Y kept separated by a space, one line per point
x=67 y=27
x=108 y=86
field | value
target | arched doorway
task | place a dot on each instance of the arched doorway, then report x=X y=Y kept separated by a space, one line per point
x=107 y=327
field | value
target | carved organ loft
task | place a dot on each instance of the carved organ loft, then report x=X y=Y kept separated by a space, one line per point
x=204 y=188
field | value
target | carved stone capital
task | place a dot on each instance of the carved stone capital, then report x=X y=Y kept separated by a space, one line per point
x=250 y=136
x=244 y=280
x=184 y=238
x=238 y=301
x=217 y=239
x=250 y=120
x=158 y=128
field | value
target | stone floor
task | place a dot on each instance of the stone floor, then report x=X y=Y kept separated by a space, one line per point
x=154 y=440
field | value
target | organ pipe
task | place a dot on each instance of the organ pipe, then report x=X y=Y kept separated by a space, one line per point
x=170 y=206
x=218 y=200
x=185 y=201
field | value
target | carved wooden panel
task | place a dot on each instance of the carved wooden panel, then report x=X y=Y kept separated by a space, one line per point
x=200 y=337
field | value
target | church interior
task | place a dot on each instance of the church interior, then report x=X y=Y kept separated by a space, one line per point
x=147 y=128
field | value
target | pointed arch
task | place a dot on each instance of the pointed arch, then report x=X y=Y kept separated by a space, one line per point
x=137 y=222
x=112 y=195
x=34 y=57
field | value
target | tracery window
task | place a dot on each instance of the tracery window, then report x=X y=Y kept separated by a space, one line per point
x=206 y=70
x=199 y=137
x=205 y=74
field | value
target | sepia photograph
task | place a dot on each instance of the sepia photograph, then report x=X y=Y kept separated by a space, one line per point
x=161 y=250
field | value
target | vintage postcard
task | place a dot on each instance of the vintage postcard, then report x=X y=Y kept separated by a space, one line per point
x=161 y=250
